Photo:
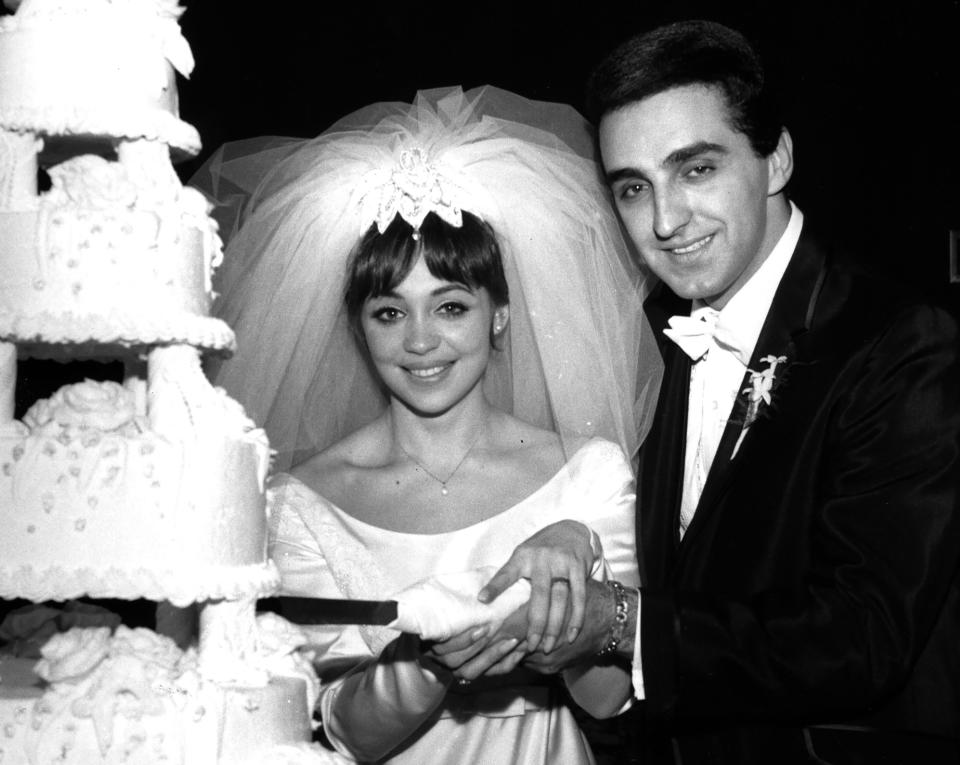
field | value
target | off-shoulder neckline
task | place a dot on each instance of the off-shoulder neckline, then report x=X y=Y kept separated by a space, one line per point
x=578 y=456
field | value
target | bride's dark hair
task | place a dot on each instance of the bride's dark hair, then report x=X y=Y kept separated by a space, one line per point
x=467 y=255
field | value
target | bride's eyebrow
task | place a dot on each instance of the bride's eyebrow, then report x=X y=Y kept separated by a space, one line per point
x=392 y=294
x=452 y=287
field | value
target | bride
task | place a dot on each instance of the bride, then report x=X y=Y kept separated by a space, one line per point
x=440 y=327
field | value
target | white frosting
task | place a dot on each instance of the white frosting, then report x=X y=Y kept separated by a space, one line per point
x=133 y=696
x=188 y=502
x=101 y=258
x=105 y=406
x=59 y=72
x=127 y=329
x=115 y=251
x=8 y=383
x=18 y=169
x=153 y=488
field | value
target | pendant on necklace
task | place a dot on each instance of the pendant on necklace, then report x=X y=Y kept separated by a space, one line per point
x=443 y=489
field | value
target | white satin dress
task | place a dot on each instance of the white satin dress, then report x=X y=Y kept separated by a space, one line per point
x=378 y=702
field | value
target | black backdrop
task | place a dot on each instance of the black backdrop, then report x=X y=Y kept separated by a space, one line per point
x=872 y=88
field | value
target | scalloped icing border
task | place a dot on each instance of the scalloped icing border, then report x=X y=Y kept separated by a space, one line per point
x=119 y=125
x=119 y=329
x=181 y=586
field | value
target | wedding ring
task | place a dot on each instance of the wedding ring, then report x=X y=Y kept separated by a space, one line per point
x=463 y=681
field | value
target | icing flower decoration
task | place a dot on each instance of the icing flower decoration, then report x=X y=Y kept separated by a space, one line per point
x=93 y=182
x=72 y=654
x=147 y=646
x=761 y=386
x=175 y=46
x=104 y=406
x=110 y=675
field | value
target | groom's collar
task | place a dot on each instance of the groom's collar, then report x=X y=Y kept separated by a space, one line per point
x=742 y=317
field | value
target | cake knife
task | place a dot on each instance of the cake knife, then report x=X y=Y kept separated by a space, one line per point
x=331 y=610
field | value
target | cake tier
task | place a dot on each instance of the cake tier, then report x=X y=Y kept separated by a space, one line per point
x=110 y=274
x=135 y=698
x=95 y=68
x=132 y=515
x=129 y=492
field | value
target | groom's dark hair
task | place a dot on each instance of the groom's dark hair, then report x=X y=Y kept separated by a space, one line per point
x=690 y=53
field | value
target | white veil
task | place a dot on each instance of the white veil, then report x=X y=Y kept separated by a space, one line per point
x=580 y=357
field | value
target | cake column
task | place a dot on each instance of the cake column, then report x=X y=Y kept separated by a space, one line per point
x=18 y=191
x=8 y=380
x=18 y=170
x=148 y=165
x=228 y=643
x=176 y=392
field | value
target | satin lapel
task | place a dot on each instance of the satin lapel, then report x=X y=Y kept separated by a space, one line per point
x=661 y=469
x=787 y=321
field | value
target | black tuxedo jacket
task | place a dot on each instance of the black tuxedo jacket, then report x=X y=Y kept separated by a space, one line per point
x=817 y=583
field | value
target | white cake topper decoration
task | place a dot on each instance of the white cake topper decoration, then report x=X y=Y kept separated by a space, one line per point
x=162 y=15
x=412 y=188
x=175 y=45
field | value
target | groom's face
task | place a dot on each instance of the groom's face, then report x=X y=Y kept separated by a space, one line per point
x=691 y=191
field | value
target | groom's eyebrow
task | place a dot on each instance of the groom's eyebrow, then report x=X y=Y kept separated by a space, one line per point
x=685 y=153
x=623 y=173
x=674 y=158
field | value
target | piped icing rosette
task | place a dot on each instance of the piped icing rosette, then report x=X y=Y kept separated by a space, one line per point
x=107 y=407
x=97 y=676
x=92 y=182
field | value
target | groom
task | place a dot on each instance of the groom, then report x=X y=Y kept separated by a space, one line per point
x=798 y=515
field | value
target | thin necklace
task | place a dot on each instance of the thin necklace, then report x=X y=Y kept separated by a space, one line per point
x=442 y=481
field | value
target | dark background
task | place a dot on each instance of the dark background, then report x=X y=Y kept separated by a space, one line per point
x=871 y=105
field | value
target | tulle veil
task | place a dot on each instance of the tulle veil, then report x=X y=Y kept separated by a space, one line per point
x=580 y=357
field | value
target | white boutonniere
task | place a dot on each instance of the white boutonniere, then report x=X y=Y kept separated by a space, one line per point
x=759 y=393
x=762 y=384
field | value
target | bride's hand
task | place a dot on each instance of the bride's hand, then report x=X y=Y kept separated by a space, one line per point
x=557 y=560
x=473 y=652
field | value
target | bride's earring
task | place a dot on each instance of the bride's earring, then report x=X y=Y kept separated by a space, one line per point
x=500 y=318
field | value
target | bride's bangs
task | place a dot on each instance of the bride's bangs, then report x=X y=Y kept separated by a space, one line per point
x=467 y=255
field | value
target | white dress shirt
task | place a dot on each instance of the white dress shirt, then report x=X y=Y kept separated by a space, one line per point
x=716 y=379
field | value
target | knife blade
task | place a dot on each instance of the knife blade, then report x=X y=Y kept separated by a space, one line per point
x=301 y=610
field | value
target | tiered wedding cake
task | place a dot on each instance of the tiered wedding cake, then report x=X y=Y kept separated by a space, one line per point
x=153 y=488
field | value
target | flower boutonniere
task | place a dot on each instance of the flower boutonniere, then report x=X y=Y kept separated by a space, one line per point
x=762 y=386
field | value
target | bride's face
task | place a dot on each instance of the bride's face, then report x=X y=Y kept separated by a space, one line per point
x=429 y=339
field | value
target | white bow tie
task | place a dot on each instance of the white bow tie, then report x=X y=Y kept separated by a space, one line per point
x=695 y=332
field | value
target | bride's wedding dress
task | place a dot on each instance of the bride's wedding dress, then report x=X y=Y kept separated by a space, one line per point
x=377 y=701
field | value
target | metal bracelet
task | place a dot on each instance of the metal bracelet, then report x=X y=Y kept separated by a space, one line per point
x=619 y=618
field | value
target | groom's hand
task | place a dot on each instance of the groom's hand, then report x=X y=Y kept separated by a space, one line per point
x=592 y=639
x=557 y=560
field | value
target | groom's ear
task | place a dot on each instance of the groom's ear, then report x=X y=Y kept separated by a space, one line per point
x=780 y=164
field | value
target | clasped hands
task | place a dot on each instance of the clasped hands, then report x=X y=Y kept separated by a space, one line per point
x=547 y=632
